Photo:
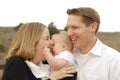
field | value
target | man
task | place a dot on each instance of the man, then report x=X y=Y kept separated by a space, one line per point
x=95 y=60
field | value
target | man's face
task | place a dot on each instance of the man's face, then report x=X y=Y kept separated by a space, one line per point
x=80 y=34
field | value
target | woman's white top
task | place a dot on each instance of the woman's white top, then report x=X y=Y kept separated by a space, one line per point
x=40 y=71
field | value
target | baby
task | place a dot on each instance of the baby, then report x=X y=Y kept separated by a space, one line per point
x=61 y=52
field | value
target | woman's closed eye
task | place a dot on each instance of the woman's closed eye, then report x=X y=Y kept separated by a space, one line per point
x=47 y=38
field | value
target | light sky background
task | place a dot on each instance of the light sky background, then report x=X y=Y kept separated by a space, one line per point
x=13 y=12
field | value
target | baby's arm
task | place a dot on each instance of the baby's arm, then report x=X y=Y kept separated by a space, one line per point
x=53 y=62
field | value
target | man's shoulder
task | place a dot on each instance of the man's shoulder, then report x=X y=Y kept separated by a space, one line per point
x=110 y=50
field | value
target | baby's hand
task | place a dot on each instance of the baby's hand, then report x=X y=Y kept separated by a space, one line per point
x=46 y=50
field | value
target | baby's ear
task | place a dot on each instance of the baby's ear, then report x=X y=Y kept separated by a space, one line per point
x=64 y=46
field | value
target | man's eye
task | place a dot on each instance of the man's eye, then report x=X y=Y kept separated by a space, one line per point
x=47 y=39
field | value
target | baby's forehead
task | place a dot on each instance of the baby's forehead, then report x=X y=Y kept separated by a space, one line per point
x=55 y=40
x=59 y=36
x=55 y=36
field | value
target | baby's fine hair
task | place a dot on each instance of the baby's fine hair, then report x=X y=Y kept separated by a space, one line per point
x=64 y=38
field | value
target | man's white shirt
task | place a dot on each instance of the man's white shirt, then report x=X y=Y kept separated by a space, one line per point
x=101 y=63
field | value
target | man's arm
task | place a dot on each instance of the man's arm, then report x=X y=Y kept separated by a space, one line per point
x=115 y=69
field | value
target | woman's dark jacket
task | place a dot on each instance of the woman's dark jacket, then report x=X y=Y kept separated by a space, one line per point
x=17 y=69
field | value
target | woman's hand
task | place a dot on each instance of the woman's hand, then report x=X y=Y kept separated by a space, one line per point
x=62 y=73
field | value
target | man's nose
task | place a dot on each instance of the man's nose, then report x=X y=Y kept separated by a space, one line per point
x=69 y=32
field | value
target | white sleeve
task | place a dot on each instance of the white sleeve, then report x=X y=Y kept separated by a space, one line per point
x=66 y=55
x=115 y=69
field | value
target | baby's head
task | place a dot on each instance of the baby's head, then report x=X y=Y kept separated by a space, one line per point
x=61 y=42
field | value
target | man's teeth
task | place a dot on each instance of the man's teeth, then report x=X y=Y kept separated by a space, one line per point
x=74 y=39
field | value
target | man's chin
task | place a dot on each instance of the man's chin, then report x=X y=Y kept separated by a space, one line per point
x=75 y=46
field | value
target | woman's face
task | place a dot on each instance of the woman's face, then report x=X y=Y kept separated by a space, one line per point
x=44 y=41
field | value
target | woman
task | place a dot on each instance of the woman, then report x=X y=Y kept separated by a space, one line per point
x=24 y=58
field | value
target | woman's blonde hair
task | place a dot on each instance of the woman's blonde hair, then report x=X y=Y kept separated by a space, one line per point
x=25 y=40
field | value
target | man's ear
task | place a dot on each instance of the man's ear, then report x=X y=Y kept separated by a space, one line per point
x=94 y=26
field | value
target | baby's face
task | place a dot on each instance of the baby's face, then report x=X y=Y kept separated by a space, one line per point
x=58 y=46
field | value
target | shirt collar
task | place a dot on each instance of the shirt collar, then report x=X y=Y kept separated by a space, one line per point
x=96 y=50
